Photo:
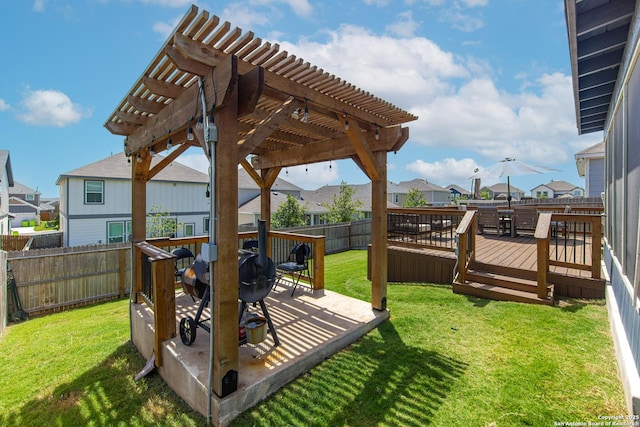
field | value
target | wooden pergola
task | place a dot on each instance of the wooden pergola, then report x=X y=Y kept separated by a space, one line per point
x=272 y=110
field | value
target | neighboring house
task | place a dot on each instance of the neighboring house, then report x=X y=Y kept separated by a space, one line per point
x=590 y=164
x=6 y=181
x=314 y=202
x=557 y=189
x=433 y=194
x=49 y=208
x=24 y=204
x=396 y=193
x=458 y=192
x=613 y=41
x=500 y=191
x=95 y=200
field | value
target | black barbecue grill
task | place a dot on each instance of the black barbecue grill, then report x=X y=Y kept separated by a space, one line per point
x=256 y=277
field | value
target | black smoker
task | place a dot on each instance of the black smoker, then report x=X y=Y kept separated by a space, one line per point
x=256 y=277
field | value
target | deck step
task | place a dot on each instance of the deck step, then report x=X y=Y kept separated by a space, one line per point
x=504 y=281
x=484 y=290
x=505 y=271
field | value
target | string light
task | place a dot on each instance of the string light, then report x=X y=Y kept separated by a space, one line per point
x=199 y=123
x=152 y=152
x=377 y=134
x=329 y=164
x=346 y=123
x=169 y=142
x=138 y=158
x=305 y=118
x=190 y=136
x=296 y=114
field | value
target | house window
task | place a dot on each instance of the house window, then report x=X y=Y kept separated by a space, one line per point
x=396 y=198
x=30 y=197
x=206 y=225
x=118 y=231
x=542 y=194
x=94 y=192
x=189 y=229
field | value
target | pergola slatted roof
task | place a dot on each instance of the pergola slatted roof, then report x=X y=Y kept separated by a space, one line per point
x=598 y=32
x=201 y=42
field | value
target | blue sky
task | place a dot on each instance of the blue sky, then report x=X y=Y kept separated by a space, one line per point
x=488 y=79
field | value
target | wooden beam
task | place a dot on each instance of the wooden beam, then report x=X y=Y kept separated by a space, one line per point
x=333 y=149
x=362 y=148
x=123 y=129
x=142 y=104
x=270 y=175
x=252 y=172
x=258 y=134
x=167 y=160
x=130 y=118
x=178 y=114
x=162 y=88
x=185 y=64
x=205 y=55
x=250 y=86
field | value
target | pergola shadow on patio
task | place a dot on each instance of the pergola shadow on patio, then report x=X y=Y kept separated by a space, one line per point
x=262 y=109
x=311 y=326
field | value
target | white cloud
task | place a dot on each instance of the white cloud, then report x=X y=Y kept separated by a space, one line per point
x=445 y=171
x=38 y=5
x=50 y=108
x=405 y=26
x=462 y=21
x=301 y=8
x=313 y=176
x=376 y=2
x=3 y=105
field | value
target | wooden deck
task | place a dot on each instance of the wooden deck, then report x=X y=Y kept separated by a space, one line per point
x=520 y=252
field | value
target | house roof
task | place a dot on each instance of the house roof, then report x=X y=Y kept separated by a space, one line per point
x=502 y=187
x=559 y=186
x=5 y=162
x=596 y=150
x=598 y=32
x=21 y=189
x=422 y=185
x=458 y=189
x=313 y=200
x=119 y=167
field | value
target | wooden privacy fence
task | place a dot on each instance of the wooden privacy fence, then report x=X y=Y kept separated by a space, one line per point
x=50 y=280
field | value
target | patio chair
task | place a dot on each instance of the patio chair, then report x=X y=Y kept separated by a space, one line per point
x=526 y=218
x=297 y=264
x=487 y=216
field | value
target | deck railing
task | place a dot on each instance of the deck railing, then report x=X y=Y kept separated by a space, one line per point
x=568 y=240
x=433 y=228
x=466 y=235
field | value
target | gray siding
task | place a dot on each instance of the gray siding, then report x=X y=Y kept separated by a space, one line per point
x=595 y=177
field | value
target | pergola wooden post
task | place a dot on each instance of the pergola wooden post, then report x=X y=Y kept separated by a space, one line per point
x=139 y=177
x=224 y=328
x=272 y=111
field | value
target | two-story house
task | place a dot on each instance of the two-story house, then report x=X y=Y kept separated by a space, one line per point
x=6 y=181
x=557 y=189
x=24 y=204
x=95 y=201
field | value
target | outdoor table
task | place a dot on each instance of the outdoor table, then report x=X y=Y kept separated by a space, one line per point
x=507 y=216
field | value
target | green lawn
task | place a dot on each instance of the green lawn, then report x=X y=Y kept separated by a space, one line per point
x=442 y=360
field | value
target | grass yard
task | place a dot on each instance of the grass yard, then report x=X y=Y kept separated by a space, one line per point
x=442 y=360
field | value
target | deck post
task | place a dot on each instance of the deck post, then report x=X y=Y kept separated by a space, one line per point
x=543 y=240
x=139 y=176
x=164 y=304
